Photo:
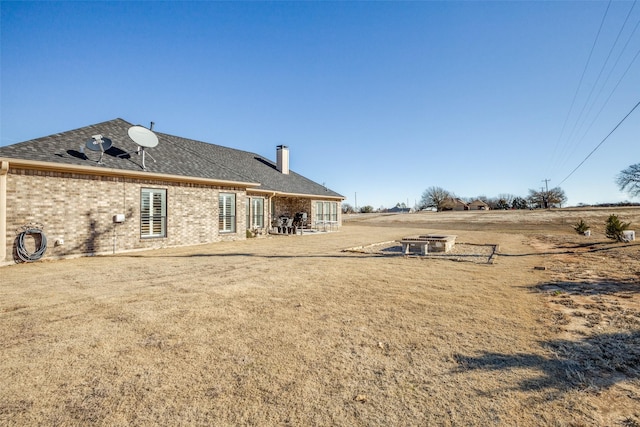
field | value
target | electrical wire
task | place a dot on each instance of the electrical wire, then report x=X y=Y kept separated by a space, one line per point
x=610 y=95
x=22 y=251
x=604 y=65
x=601 y=142
x=584 y=71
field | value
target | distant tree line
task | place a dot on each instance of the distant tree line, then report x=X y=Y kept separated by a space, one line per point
x=440 y=199
x=348 y=209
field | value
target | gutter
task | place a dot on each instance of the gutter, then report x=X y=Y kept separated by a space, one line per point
x=271 y=193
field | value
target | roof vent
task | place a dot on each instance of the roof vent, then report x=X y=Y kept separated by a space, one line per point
x=282 y=159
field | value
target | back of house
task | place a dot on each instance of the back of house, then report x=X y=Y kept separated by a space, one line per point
x=116 y=187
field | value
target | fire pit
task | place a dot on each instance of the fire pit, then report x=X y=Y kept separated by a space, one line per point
x=427 y=243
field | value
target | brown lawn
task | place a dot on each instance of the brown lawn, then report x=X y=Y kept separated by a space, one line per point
x=292 y=330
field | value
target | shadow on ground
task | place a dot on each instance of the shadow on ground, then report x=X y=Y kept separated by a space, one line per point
x=592 y=363
x=577 y=249
x=621 y=287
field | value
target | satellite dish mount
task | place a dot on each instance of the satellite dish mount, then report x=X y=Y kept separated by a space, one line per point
x=98 y=143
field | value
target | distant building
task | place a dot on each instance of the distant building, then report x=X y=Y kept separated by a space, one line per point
x=455 y=204
x=478 y=205
x=397 y=209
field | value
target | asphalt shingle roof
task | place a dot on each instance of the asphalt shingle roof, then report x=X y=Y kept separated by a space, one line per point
x=173 y=155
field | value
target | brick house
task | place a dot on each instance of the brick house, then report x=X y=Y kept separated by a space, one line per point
x=455 y=204
x=130 y=197
x=478 y=205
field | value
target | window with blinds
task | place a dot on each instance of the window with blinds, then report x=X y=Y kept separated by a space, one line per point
x=319 y=217
x=227 y=216
x=334 y=211
x=257 y=213
x=326 y=211
x=153 y=213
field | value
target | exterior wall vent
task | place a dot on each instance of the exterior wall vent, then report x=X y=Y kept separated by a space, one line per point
x=282 y=159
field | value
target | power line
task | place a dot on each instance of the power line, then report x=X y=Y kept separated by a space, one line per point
x=604 y=65
x=610 y=95
x=584 y=70
x=601 y=142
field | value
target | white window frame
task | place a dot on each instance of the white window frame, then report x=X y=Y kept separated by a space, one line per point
x=319 y=216
x=334 y=211
x=326 y=212
x=257 y=212
x=227 y=213
x=153 y=213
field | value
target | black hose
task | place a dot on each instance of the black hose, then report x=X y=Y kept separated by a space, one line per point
x=23 y=253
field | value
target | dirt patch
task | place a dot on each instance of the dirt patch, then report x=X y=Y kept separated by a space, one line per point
x=594 y=310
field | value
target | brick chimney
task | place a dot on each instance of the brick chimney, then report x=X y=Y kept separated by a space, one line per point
x=282 y=159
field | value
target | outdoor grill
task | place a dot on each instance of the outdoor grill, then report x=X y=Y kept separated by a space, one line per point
x=286 y=224
x=300 y=220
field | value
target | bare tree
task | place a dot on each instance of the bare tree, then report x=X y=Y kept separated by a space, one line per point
x=347 y=208
x=629 y=180
x=434 y=197
x=536 y=198
x=555 y=197
x=507 y=198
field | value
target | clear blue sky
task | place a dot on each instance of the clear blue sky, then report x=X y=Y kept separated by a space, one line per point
x=376 y=99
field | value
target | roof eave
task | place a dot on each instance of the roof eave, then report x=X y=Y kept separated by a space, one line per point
x=95 y=171
x=285 y=194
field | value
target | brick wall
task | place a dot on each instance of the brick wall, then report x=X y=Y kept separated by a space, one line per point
x=291 y=205
x=78 y=209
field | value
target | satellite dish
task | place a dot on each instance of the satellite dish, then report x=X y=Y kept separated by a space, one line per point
x=99 y=143
x=143 y=136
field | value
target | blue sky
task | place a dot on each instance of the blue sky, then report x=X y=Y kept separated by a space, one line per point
x=377 y=100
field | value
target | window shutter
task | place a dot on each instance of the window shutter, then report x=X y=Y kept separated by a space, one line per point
x=157 y=216
x=153 y=213
x=227 y=218
x=145 y=214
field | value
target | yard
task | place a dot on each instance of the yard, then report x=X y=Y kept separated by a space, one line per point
x=293 y=330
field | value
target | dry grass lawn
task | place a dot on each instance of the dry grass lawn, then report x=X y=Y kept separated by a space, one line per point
x=292 y=330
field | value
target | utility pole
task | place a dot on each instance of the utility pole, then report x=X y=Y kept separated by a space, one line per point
x=546 y=194
x=355 y=208
x=546 y=183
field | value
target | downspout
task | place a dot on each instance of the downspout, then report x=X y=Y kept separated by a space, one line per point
x=4 y=170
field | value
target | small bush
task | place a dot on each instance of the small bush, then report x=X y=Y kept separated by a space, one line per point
x=581 y=227
x=615 y=228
